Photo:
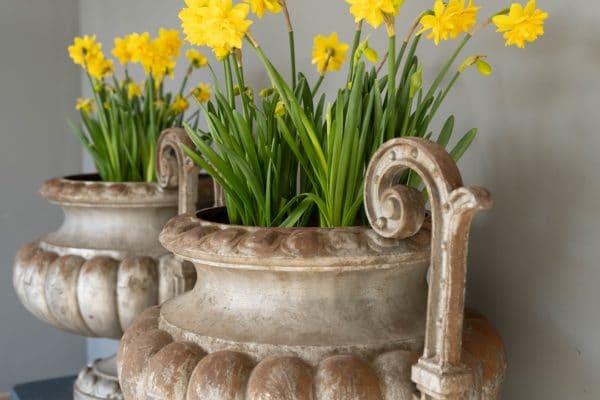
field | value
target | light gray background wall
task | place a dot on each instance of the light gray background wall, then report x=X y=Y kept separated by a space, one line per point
x=533 y=264
x=37 y=88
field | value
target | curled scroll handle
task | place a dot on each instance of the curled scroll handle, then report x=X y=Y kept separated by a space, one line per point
x=398 y=211
x=175 y=170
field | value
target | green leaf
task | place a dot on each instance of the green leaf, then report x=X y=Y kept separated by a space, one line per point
x=463 y=144
x=446 y=132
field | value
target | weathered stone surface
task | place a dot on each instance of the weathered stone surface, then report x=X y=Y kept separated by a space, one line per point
x=220 y=376
x=284 y=378
x=393 y=370
x=169 y=370
x=134 y=358
x=346 y=378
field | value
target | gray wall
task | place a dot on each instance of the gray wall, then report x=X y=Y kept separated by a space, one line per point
x=533 y=261
x=38 y=86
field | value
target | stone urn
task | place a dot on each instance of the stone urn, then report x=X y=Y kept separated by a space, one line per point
x=363 y=313
x=104 y=265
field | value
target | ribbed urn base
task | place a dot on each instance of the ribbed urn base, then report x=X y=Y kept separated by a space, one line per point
x=98 y=381
x=155 y=365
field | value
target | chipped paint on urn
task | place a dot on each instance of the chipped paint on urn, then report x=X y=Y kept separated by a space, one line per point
x=325 y=314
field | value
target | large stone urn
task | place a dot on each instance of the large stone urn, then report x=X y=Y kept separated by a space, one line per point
x=325 y=314
x=104 y=265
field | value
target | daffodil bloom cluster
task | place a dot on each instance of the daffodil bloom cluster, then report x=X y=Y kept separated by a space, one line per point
x=218 y=24
x=291 y=155
x=121 y=123
x=157 y=56
x=85 y=51
x=449 y=20
x=375 y=12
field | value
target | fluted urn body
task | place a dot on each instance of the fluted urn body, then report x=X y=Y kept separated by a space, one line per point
x=360 y=313
x=283 y=313
x=102 y=267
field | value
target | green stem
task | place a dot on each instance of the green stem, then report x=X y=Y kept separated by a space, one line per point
x=300 y=119
x=288 y=22
x=185 y=79
x=401 y=53
x=317 y=85
x=152 y=128
x=292 y=57
x=239 y=72
x=229 y=82
x=438 y=102
x=447 y=66
x=355 y=44
x=391 y=87
x=105 y=128
x=409 y=57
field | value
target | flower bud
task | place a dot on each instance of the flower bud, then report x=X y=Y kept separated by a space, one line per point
x=416 y=81
x=266 y=92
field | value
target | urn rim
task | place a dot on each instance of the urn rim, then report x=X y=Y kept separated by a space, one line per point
x=196 y=238
x=88 y=190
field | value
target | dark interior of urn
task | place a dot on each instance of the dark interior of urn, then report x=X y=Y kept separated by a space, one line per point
x=219 y=215
x=84 y=178
x=214 y=214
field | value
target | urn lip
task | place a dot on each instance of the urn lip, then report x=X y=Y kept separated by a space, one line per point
x=202 y=239
x=88 y=190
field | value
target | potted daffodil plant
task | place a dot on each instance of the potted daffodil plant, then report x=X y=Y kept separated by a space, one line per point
x=297 y=296
x=255 y=146
x=103 y=265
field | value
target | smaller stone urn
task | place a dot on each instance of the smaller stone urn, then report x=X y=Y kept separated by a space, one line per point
x=325 y=314
x=104 y=265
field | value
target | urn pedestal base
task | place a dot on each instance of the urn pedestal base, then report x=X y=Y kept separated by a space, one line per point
x=98 y=381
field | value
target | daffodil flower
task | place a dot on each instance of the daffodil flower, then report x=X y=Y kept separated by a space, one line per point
x=521 y=24
x=328 y=53
x=449 y=21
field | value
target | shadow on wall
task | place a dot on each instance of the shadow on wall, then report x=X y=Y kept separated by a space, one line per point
x=534 y=256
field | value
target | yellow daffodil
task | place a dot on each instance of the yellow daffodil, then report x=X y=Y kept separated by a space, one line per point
x=137 y=45
x=374 y=11
x=121 y=50
x=157 y=61
x=168 y=42
x=180 y=104
x=521 y=24
x=133 y=90
x=100 y=67
x=85 y=105
x=83 y=49
x=259 y=7
x=202 y=92
x=449 y=21
x=328 y=53
x=216 y=23
x=197 y=59
x=280 y=109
